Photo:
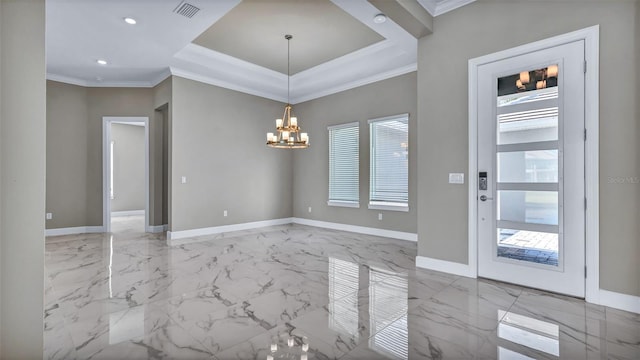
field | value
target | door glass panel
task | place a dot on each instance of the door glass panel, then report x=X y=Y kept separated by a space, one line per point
x=539 y=166
x=514 y=96
x=528 y=106
x=528 y=126
x=532 y=246
x=533 y=207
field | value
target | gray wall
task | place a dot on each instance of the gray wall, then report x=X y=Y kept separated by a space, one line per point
x=311 y=166
x=67 y=127
x=128 y=167
x=485 y=27
x=22 y=170
x=108 y=102
x=74 y=157
x=159 y=153
x=218 y=143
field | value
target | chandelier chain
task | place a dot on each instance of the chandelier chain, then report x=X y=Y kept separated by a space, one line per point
x=288 y=67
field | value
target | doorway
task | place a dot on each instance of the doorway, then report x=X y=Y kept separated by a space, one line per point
x=124 y=192
x=527 y=163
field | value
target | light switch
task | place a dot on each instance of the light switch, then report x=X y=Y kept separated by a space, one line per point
x=49 y=216
x=456 y=178
x=225 y=213
x=184 y=179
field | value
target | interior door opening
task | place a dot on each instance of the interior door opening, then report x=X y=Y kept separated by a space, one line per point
x=125 y=177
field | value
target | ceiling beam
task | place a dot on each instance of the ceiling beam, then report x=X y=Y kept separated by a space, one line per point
x=408 y=14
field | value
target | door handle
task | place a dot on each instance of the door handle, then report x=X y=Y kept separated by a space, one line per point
x=485 y=198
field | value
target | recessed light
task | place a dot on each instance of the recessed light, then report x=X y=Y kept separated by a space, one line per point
x=101 y=62
x=130 y=21
x=380 y=18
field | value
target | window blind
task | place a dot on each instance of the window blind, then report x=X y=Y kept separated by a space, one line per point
x=344 y=161
x=389 y=165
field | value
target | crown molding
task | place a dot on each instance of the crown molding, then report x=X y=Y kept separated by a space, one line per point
x=449 y=5
x=357 y=83
x=66 y=79
x=107 y=84
x=211 y=80
x=429 y=5
x=161 y=77
x=436 y=8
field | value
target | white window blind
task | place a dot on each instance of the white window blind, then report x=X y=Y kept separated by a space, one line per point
x=344 y=161
x=389 y=166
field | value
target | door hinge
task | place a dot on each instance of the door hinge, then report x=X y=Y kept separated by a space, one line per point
x=585 y=272
x=585 y=66
x=585 y=134
x=585 y=203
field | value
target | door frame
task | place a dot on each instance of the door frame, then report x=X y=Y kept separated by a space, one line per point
x=106 y=160
x=591 y=37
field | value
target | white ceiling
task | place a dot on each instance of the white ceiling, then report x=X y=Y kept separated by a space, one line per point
x=79 y=32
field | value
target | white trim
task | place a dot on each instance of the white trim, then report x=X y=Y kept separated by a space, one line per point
x=74 y=230
x=388 y=207
x=157 y=228
x=66 y=79
x=619 y=301
x=187 y=236
x=436 y=8
x=358 y=229
x=448 y=5
x=429 y=5
x=347 y=204
x=127 y=213
x=81 y=82
x=344 y=126
x=592 y=159
x=386 y=118
x=106 y=139
x=445 y=266
x=383 y=75
x=590 y=36
x=164 y=74
x=206 y=79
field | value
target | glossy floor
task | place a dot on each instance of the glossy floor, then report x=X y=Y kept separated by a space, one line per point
x=299 y=292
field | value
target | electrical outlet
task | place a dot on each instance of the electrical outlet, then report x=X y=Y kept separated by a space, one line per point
x=184 y=179
x=379 y=216
x=309 y=208
x=225 y=213
x=49 y=216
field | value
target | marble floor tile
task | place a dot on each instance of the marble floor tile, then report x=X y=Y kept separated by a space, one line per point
x=346 y=296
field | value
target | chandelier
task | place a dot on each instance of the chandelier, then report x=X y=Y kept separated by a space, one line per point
x=288 y=134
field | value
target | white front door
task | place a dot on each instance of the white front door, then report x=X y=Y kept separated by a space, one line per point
x=531 y=210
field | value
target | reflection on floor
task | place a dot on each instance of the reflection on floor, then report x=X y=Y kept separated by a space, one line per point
x=127 y=224
x=300 y=292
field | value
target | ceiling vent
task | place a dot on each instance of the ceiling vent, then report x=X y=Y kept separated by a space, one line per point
x=186 y=9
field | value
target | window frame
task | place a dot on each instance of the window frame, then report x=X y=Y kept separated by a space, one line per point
x=386 y=205
x=344 y=203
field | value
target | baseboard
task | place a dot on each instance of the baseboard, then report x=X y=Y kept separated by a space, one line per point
x=127 y=213
x=358 y=229
x=157 y=228
x=444 y=266
x=74 y=230
x=184 y=236
x=620 y=301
